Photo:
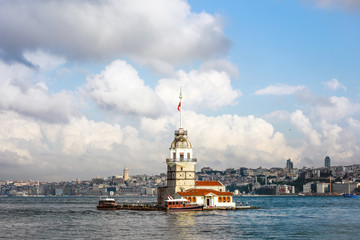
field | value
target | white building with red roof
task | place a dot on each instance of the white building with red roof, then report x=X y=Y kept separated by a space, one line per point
x=181 y=176
x=207 y=197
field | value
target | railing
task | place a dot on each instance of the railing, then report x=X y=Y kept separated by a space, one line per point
x=177 y=132
x=181 y=160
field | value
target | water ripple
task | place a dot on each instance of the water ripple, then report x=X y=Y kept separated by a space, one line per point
x=279 y=218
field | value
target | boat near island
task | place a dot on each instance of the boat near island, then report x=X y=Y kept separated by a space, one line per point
x=181 y=205
x=349 y=195
x=107 y=204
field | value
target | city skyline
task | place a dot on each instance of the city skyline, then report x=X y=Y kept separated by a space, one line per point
x=87 y=87
x=273 y=181
x=125 y=172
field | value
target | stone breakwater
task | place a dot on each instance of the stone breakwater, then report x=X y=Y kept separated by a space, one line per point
x=155 y=207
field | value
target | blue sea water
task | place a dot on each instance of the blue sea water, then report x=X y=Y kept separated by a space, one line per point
x=278 y=218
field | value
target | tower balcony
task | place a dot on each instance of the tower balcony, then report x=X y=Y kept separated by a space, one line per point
x=181 y=160
x=181 y=131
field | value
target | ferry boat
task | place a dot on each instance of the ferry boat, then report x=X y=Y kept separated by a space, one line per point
x=107 y=204
x=181 y=205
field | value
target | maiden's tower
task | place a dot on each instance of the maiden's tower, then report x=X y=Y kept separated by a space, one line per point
x=181 y=179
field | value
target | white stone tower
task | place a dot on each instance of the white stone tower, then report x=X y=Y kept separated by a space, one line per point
x=181 y=163
x=126 y=174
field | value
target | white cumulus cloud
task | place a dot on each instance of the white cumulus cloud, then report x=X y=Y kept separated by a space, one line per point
x=234 y=141
x=304 y=125
x=20 y=92
x=336 y=109
x=201 y=89
x=80 y=148
x=119 y=88
x=281 y=89
x=221 y=65
x=334 y=84
x=159 y=33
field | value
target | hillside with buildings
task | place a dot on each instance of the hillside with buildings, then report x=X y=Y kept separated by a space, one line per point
x=273 y=181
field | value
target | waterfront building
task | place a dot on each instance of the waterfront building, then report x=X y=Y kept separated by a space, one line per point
x=59 y=191
x=344 y=187
x=307 y=188
x=284 y=189
x=270 y=189
x=322 y=187
x=181 y=175
x=316 y=187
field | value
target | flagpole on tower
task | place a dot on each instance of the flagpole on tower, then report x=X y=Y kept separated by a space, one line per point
x=180 y=107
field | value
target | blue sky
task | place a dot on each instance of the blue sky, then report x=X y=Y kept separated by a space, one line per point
x=290 y=42
x=88 y=87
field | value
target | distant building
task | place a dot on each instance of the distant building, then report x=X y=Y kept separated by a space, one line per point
x=230 y=171
x=316 y=173
x=289 y=164
x=322 y=187
x=285 y=189
x=327 y=162
x=316 y=187
x=206 y=170
x=307 y=188
x=126 y=174
x=266 y=190
x=347 y=187
x=244 y=171
x=59 y=191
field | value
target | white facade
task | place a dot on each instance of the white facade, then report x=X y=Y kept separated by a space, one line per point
x=322 y=187
x=209 y=199
x=307 y=187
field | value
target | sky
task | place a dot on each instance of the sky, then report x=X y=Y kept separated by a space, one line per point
x=89 y=87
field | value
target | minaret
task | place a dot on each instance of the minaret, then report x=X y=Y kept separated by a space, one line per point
x=181 y=163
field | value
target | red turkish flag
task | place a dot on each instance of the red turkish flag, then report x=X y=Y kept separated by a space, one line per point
x=179 y=106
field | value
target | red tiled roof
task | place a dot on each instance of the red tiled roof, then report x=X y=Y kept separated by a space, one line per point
x=203 y=192
x=208 y=183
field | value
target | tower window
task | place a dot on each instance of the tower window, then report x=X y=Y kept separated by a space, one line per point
x=174 y=156
x=188 y=155
x=181 y=156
